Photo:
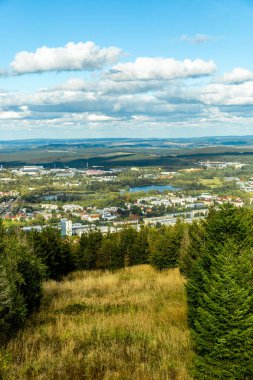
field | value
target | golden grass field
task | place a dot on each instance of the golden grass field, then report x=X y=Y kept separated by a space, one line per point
x=212 y=183
x=130 y=324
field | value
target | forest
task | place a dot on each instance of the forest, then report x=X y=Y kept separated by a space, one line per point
x=213 y=255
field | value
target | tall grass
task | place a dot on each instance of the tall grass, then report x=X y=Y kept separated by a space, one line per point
x=130 y=324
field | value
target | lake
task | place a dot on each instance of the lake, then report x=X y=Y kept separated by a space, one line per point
x=50 y=197
x=152 y=187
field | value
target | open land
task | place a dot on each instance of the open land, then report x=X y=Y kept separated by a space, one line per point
x=130 y=324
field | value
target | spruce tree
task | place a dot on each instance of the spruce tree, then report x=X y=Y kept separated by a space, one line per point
x=89 y=245
x=221 y=315
x=192 y=244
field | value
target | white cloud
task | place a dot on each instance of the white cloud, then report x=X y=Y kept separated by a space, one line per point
x=22 y=113
x=92 y=117
x=74 y=84
x=145 y=68
x=229 y=95
x=79 y=56
x=197 y=39
x=238 y=75
x=135 y=97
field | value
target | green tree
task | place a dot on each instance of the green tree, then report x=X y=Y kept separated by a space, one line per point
x=127 y=239
x=21 y=275
x=109 y=255
x=140 y=248
x=53 y=251
x=222 y=327
x=165 y=245
x=89 y=245
x=219 y=292
x=192 y=245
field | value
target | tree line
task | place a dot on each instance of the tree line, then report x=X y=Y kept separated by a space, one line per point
x=215 y=255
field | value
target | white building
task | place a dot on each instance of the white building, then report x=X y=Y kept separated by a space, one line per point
x=72 y=207
x=66 y=227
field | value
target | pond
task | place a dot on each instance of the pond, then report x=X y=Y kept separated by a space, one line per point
x=50 y=197
x=152 y=187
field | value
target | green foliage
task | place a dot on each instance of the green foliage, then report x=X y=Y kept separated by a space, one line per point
x=166 y=245
x=53 y=251
x=89 y=246
x=127 y=247
x=223 y=321
x=21 y=275
x=140 y=248
x=109 y=254
x=192 y=245
x=127 y=239
x=33 y=271
x=220 y=295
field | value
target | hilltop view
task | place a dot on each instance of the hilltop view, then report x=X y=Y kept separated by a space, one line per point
x=126 y=190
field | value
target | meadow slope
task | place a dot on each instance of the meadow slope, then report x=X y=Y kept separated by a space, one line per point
x=131 y=324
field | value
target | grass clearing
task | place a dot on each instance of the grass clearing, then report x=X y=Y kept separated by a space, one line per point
x=212 y=182
x=130 y=324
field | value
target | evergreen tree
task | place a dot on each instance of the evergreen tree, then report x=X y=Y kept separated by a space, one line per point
x=219 y=292
x=223 y=321
x=127 y=239
x=21 y=275
x=89 y=245
x=109 y=255
x=54 y=252
x=165 y=247
x=140 y=248
x=192 y=245
x=229 y=222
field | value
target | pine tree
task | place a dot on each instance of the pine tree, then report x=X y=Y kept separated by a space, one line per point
x=140 y=248
x=221 y=311
x=109 y=255
x=53 y=251
x=89 y=246
x=165 y=247
x=192 y=245
x=219 y=292
x=127 y=238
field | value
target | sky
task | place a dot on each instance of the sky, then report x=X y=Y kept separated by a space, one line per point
x=115 y=68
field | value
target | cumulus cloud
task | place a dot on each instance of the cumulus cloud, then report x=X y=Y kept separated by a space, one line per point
x=230 y=95
x=94 y=117
x=145 y=68
x=135 y=95
x=238 y=75
x=79 y=56
x=21 y=113
x=197 y=39
x=74 y=84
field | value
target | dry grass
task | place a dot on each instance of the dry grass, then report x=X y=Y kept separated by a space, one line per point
x=101 y=325
x=212 y=183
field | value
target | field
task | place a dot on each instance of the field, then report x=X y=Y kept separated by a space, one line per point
x=212 y=183
x=130 y=324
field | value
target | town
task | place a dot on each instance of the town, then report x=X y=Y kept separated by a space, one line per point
x=78 y=200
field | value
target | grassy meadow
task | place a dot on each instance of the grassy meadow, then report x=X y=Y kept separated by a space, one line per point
x=130 y=324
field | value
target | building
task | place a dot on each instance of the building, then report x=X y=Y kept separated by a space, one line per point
x=31 y=169
x=66 y=227
x=72 y=207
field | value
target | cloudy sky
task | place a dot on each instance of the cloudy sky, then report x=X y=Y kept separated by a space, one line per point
x=117 y=68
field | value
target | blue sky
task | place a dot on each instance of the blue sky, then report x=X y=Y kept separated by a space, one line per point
x=111 y=68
